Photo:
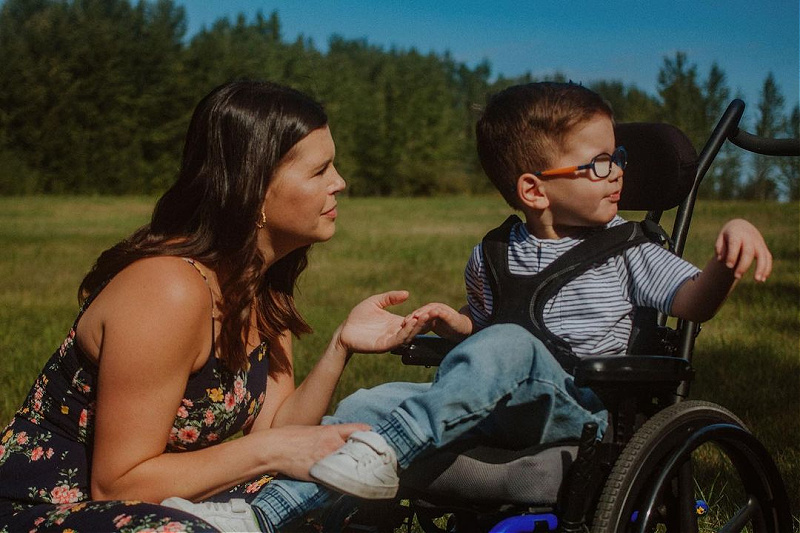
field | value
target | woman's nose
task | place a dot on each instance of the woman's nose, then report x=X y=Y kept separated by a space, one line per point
x=338 y=183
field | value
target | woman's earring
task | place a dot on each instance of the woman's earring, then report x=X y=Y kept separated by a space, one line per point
x=263 y=220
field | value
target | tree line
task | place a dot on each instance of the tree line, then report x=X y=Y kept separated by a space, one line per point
x=95 y=97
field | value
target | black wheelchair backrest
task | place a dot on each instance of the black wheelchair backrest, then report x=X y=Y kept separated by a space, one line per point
x=662 y=165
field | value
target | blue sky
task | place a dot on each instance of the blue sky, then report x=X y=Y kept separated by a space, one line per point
x=586 y=40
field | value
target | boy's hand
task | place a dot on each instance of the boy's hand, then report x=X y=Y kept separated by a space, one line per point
x=738 y=244
x=442 y=320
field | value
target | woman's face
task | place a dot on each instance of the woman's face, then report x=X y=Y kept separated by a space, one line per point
x=300 y=205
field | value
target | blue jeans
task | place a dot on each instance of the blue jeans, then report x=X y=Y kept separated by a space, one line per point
x=501 y=382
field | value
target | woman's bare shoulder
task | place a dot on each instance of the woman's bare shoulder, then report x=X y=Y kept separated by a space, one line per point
x=170 y=281
x=155 y=296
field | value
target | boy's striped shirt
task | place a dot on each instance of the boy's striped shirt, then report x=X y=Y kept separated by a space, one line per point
x=592 y=312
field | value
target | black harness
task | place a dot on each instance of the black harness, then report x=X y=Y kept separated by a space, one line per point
x=518 y=299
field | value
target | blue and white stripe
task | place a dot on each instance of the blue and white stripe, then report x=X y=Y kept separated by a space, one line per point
x=592 y=312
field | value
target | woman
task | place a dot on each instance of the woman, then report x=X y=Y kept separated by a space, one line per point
x=185 y=336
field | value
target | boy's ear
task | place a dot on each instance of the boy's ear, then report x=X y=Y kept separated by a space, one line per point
x=530 y=191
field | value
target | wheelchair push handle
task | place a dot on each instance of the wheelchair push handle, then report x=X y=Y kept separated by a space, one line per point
x=728 y=128
x=765 y=146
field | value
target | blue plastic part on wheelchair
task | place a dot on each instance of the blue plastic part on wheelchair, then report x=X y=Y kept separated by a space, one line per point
x=526 y=523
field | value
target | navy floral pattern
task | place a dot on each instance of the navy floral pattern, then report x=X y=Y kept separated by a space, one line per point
x=45 y=452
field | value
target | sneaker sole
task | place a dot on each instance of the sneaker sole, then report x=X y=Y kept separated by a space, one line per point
x=336 y=481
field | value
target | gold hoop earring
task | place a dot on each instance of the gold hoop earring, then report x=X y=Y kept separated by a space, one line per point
x=263 y=222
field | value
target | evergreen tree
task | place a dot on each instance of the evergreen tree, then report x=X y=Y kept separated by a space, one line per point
x=771 y=123
x=789 y=167
x=628 y=102
x=95 y=96
x=161 y=92
x=425 y=126
x=354 y=82
x=723 y=178
x=472 y=88
x=682 y=102
x=82 y=94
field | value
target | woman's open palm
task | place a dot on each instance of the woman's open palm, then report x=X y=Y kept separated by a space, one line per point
x=370 y=328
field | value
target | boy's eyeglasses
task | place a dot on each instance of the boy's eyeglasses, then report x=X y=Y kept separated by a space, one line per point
x=600 y=165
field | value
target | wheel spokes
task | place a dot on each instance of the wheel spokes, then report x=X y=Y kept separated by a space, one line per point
x=742 y=517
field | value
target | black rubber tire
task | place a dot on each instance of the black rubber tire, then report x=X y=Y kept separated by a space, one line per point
x=639 y=472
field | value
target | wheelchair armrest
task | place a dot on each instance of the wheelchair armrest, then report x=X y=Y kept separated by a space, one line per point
x=632 y=371
x=427 y=350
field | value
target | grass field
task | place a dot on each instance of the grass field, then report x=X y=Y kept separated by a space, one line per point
x=747 y=358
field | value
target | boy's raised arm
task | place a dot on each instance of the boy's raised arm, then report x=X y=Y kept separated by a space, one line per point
x=738 y=245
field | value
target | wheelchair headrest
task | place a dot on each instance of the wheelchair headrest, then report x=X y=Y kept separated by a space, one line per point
x=662 y=164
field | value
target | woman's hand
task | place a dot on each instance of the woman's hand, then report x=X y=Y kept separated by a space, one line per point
x=302 y=446
x=369 y=328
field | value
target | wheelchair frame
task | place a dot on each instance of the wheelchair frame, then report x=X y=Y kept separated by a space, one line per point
x=641 y=474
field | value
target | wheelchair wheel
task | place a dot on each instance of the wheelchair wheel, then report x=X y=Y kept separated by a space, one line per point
x=665 y=479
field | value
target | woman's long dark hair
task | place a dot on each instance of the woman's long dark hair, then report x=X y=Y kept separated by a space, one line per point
x=237 y=137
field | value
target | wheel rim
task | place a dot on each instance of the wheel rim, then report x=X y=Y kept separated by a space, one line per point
x=652 y=483
x=765 y=496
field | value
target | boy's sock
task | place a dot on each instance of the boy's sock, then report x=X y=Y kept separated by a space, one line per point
x=366 y=466
x=233 y=515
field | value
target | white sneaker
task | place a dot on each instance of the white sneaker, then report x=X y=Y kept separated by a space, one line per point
x=366 y=466
x=231 y=516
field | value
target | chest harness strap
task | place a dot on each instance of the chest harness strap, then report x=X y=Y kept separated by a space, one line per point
x=519 y=299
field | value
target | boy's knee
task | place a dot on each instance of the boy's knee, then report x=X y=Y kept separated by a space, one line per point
x=498 y=349
x=506 y=333
x=507 y=339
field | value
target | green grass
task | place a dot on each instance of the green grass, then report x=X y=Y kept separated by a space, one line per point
x=747 y=358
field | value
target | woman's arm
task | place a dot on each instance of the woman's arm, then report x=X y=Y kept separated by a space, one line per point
x=369 y=328
x=308 y=403
x=154 y=323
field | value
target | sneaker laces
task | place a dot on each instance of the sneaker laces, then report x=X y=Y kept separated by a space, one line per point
x=371 y=439
x=367 y=449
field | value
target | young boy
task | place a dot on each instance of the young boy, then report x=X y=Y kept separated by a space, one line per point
x=549 y=148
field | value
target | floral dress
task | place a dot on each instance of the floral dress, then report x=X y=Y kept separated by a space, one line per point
x=45 y=452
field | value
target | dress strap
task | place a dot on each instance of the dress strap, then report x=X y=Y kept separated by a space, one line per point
x=213 y=305
x=87 y=302
x=199 y=270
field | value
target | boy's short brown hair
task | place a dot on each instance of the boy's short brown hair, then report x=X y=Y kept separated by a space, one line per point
x=523 y=128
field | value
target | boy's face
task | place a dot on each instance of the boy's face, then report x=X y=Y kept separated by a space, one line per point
x=580 y=199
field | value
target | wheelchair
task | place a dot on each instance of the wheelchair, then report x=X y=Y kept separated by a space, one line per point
x=641 y=476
